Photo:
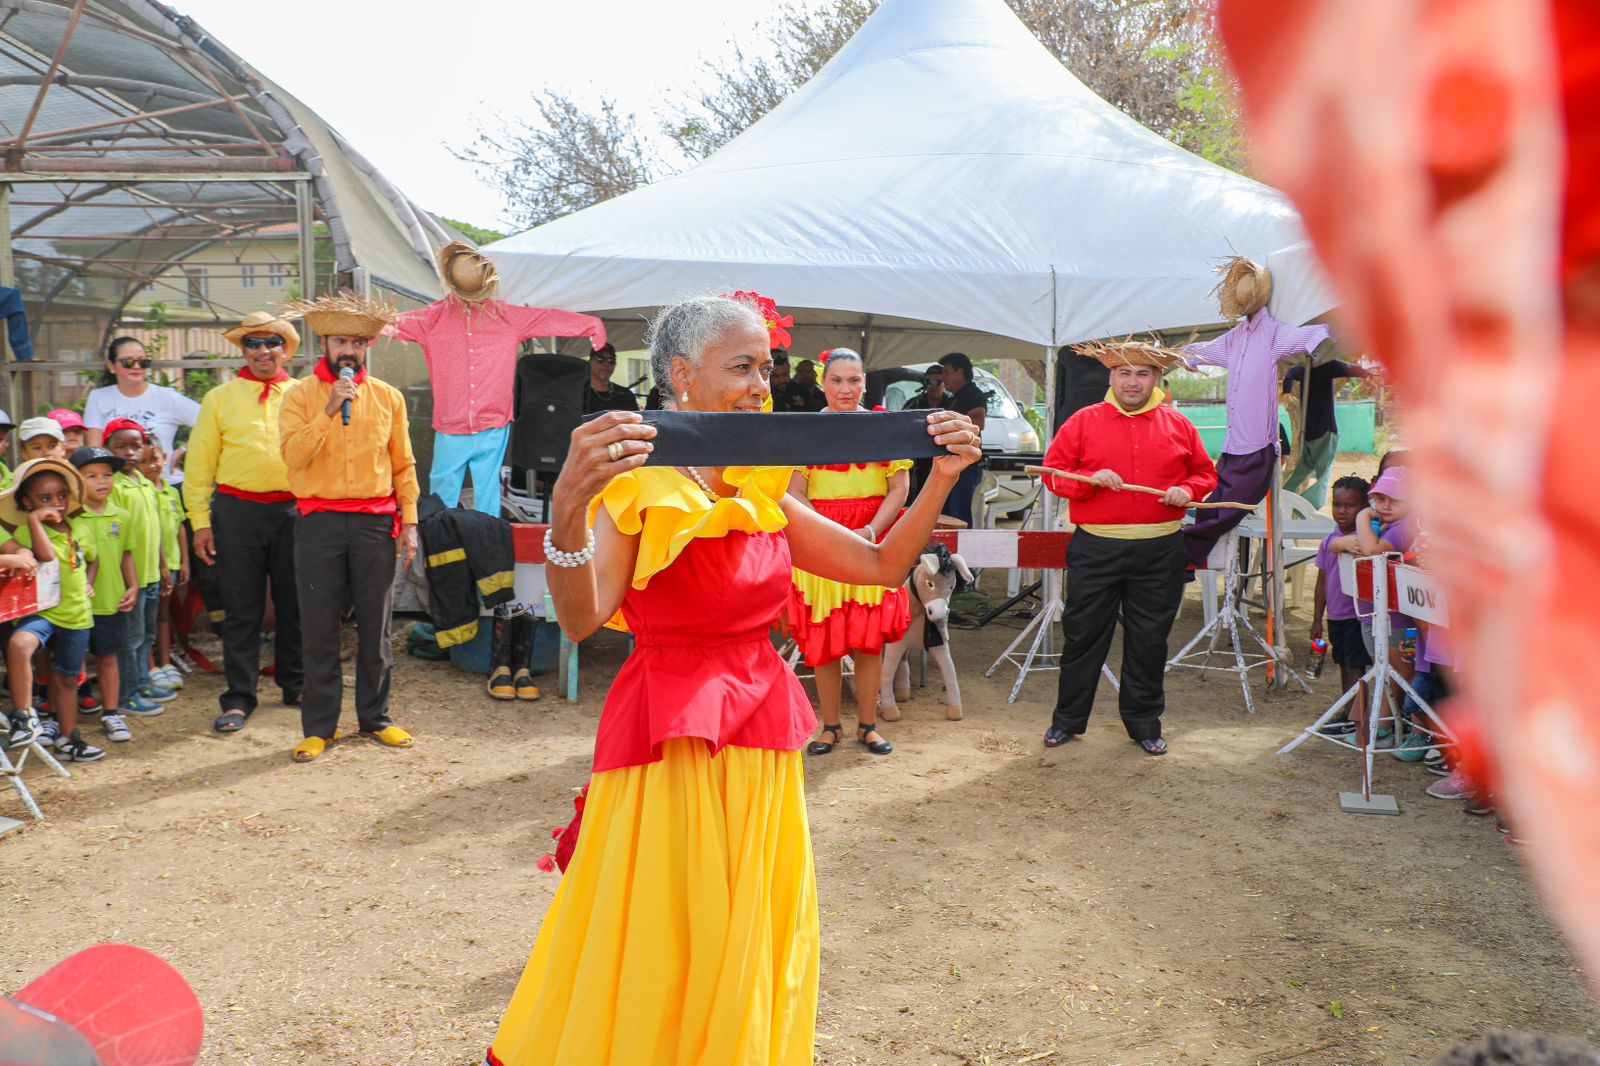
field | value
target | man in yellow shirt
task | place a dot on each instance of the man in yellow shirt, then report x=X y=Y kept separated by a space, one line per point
x=347 y=447
x=236 y=493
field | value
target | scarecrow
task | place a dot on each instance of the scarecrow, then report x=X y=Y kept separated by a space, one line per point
x=470 y=339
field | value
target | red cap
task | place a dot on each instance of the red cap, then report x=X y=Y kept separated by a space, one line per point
x=130 y=1006
x=116 y=425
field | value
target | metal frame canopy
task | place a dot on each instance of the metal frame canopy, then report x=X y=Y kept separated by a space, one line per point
x=130 y=140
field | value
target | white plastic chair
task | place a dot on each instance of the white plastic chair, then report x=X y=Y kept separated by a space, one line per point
x=1299 y=522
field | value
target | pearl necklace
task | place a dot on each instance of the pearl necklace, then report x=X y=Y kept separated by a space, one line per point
x=698 y=480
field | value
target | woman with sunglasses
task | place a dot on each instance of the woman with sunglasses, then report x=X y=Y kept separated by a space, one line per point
x=126 y=392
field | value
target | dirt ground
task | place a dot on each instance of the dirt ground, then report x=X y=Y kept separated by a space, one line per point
x=984 y=901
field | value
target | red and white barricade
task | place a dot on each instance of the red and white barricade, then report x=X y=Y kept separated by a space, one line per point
x=1410 y=591
x=1007 y=549
x=21 y=595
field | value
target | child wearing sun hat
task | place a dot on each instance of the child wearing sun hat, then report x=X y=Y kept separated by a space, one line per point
x=42 y=507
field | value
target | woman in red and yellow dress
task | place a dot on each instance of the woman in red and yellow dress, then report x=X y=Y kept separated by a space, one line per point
x=685 y=928
x=831 y=619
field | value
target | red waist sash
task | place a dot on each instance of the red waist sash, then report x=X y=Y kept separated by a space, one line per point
x=374 y=505
x=276 y=496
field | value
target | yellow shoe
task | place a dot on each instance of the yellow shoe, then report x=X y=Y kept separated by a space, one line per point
x=525 y=688
x=500 y=685
x=311 y=747
x=393 y=736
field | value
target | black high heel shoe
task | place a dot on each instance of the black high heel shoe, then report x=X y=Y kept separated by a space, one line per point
x=877 y=747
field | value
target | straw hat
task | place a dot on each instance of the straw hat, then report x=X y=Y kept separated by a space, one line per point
x=343 y=315
x=264 y=322
x=1244 y=288
x=1129 y=352
x=468 y=273
x=11 y=512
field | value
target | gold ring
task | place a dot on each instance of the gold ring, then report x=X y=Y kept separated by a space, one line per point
x=972 y=438
x=615 y=450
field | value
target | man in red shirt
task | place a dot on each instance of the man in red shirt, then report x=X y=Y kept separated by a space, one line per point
x=1127 y=556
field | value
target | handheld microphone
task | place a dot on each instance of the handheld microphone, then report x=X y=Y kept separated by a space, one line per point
x=345 y=374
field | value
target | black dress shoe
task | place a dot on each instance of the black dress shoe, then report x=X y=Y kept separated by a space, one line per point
x=877 y=747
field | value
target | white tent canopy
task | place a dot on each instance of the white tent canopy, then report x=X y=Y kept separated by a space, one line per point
x=1300 y=288
x=943 y=178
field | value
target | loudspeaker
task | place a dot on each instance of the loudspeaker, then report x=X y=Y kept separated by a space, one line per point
x=549 y=405
x=1080 y=383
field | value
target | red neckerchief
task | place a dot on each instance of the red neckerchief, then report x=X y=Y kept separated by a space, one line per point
x=266 y=383
x=326 y=373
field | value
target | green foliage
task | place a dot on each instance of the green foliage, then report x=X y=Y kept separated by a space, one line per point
x=1035 y=419
x=475 y=234
x=156 y=318
x=1211 y=126
x=1182 y=385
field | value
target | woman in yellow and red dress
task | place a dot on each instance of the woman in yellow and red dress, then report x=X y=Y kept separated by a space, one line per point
x=685 y=928
x=831 y=619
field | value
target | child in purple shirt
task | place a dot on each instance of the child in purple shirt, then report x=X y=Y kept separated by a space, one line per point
x=1344 y=629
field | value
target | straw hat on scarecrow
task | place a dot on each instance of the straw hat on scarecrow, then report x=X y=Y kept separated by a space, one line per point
x=264 y=322
x=11 y=512
x=1244 y=289
x=343 y=315
x=1129 y=352
x=468 y=273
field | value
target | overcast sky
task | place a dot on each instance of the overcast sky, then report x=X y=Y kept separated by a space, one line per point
x=405 y=90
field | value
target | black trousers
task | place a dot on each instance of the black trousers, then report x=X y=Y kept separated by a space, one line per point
x=1142 y=581
x=255 y=546
x=340 y=558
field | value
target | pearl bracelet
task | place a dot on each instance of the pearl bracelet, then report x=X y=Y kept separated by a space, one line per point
x=567 y=560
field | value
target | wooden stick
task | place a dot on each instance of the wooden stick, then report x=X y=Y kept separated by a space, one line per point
x=1038 y=471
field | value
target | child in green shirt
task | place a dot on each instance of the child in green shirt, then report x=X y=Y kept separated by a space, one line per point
x=47 y=494
x=126 y=439
x=116 y=588
x=175 y=551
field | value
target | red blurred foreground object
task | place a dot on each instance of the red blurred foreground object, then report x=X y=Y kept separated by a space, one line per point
x=112 y=1005
x=1445 y=155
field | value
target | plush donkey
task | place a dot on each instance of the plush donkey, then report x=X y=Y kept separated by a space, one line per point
x=932 y=584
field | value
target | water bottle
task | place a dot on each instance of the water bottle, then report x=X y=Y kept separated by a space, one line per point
x=1319 y=656
x=1408 y=645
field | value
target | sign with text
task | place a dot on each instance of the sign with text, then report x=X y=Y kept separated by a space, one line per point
x=1420 y=596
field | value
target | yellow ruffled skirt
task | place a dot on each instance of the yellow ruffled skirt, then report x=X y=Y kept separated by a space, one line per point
x=685 y=930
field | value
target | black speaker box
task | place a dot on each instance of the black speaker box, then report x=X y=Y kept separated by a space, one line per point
x=549 y=405
x=1080 y=383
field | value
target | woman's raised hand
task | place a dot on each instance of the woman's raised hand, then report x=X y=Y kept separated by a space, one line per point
x=601 y=449
x=957 y=434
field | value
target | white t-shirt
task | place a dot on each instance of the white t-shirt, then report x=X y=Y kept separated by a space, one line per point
x=159 y=410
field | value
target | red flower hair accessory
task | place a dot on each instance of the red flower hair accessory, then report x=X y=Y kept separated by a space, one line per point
x=778 y=326
x=823 y=358
x=566 y=838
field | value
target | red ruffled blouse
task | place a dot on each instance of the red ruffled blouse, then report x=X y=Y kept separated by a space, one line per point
x=710 y=582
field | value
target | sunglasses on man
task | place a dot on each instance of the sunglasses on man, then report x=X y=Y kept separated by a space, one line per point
x=257 y=343
x=129 y=364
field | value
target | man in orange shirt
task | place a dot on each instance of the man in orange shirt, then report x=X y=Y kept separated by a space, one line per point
x=1127 y=557
x=346 y=444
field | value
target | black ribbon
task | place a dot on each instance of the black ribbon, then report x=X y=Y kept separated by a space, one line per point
x=693 y=438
